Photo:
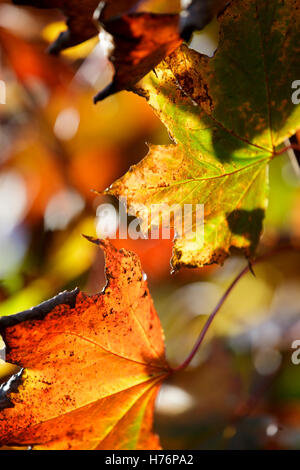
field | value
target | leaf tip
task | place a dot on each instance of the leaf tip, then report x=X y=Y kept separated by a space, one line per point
x=104 y=244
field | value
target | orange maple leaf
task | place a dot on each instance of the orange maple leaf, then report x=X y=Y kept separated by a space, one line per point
x=91 y=366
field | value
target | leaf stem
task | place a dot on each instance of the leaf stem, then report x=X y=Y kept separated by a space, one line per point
x=212 y=316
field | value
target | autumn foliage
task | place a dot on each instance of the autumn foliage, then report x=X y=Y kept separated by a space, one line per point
x=82 y=370
x=81 y=357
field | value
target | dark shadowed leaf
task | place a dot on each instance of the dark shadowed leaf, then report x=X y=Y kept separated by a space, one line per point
x=81 y=25
x=141 y=41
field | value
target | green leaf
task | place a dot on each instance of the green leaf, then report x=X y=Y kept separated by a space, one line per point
x=227 y=116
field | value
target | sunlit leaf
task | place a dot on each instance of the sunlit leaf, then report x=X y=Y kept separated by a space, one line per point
x=141 y=41
x=91 y=366
x=227 y=115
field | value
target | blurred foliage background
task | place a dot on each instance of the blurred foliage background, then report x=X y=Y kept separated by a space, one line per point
x=242 y=390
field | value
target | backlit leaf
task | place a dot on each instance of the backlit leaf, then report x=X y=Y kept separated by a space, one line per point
x=141 y=41
x=146 y=36
x=226 y=115
x=91 y=366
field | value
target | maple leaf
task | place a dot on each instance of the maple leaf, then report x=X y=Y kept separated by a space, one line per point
x=142 y=39
x=226 y=116
x=91 y=366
